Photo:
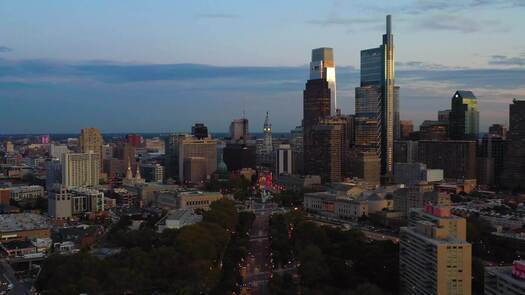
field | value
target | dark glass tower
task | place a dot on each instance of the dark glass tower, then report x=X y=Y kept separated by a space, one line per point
x=464 y=116
x=378 y=95
x=317 y=102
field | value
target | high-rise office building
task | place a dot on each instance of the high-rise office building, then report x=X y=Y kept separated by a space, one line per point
x=325 y=152
x=514 y=165
x=444 y=116
x=80 y=169
x=457 y=158
x=365 y=165
x=91 y=141
x=435 y=258
x=498 y=130
x=239 y=130
x=491 y=153
x=297 y=143
x=322 y=67
x=433 y=130
x=284 y=160
x=172 y=155
x=405 y=151
x=378 y=88
x=406 y=127
x=346 y=124
x=464 y=116
x=205 y=149
x=317 y=98
x=199 y=131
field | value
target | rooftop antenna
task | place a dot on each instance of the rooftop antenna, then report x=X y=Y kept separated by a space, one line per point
x=388 y=24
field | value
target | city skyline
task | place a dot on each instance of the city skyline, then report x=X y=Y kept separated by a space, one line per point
x=125 y=92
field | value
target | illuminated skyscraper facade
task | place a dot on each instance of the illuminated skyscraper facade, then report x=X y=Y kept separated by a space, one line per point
x=464 y=116
x=378 y=97
x=322 y=67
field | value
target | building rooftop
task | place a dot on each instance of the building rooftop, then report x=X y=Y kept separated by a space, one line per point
x=466 y=94
x=514 y=273
x=23 y=221
x=413 y=230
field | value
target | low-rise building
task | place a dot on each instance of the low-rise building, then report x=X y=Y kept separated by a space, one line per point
x=26 y=193
x=197 y=199
x=23 y=226
x=507 y=280
x=178 y=218
x=18 y=248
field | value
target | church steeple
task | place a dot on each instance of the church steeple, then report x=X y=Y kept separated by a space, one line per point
x=129 y=174
x=137 y=173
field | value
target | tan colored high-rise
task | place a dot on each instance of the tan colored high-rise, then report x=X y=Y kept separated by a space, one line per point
x=201 y=148
x=80 y=170
x=91 y=141
x=434 y=257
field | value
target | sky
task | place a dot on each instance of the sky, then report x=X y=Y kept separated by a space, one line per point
x=162 y=65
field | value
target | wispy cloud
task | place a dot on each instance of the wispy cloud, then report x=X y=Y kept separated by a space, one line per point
x=507 y=61
x=448 y=22
x=342 y=21
x=4 y=49
x=218 y=15
x=412 y=65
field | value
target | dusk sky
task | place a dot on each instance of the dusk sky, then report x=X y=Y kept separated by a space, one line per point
x=157 y=66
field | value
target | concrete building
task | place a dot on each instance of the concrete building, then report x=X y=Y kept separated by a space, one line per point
x=80 y=169
x=53 y=173
x=176 y=219
x=433 y=130
x=414 y=173
x=506 y=280
x=406 y=199
x=365 y=165
x=197 y=199
x=435 y=258
x=406 y=127
x=195 y=169
x=405 y=151
x=59 y=203
x=84 y=200
x=283 y=160
x=239 y=130
x=498 y=130
x=57 y=150
x=152 y=172
x=198 y=148
x=331 y=203
x=26 y=193
x=91 y=141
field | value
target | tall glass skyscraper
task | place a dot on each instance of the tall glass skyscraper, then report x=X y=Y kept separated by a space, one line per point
x=378 y=97
x=464 y=116
x=322 y=67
